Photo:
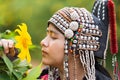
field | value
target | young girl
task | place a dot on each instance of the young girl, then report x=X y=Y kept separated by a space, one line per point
x=75 y=40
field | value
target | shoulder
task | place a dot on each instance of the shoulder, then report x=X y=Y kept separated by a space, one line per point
x=99 y=75
x=44 y=74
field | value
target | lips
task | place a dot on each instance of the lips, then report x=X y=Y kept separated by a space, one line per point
x=44 y=52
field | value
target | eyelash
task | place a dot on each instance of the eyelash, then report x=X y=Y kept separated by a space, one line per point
x=51 y=35
x=53 y=38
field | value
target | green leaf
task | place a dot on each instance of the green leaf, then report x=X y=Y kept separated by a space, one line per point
x=7 y=62
x=34 y=73
x=23 y=63
x=18 y=75
x=20 y=68
x=16 y=62
x=4 y=76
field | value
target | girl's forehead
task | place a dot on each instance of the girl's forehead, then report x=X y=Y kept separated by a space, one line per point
x=53 y=28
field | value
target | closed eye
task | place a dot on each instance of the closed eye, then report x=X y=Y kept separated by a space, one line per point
x=52 y=34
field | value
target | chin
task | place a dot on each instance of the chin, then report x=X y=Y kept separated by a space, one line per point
x=45 y=62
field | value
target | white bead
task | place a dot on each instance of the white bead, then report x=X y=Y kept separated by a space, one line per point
x=103 y=18
x=81 y=37
x=66 y=64
x=59 y=17
x=58 y=24
x=80 y=46
x=99 y=9
x=88 y=46
x=103 y=3
x=93 y=38
x=85 y=38
x=83 y=29
x=91 y=47
x=54 y=15
x=64 y=28
x=103 y=7
x=61 y=26
x=90 y=25
x=93 y=26
x=83 y=20
x=67 y=74
x=83 y=23
x=96 y=26
x=83 y=45
x=87 y=30
x=66 y=42
x=74 y=45
x=95 y=47
x=90 y=31
x=74 y=41
x=86 y=24
x=74 y=16
x=94 y=31
x=86 y=18
x=89 y=38
x=92 y=21
x=67 y=25
x=74 y=25
x=69 y=33
x=87 y=21
x=62 y=20
x=103 y=14
x=65 y=22
x=98 y=32
x=97 y=38
x=66 y=51
x=79 y=20
x=81 y=14
x=98 y=13
x=85 y=14
x=55 y=21
x=66 y=47
x=66 y=70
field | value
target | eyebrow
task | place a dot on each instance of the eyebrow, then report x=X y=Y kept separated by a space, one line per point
x=51 y=30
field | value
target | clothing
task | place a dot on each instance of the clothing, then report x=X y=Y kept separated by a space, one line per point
x=99 y=76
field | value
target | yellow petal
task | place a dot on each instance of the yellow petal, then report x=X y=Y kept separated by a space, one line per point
x=23 y=41
x=28 y=57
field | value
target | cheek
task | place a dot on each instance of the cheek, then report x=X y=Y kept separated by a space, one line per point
x=57 y=52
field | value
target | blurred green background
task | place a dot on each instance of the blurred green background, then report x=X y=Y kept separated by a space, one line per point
x=35 y=14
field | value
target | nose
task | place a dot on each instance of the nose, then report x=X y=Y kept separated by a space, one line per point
x=44 y=42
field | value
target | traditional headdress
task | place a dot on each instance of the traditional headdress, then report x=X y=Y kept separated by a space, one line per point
x=86 y=34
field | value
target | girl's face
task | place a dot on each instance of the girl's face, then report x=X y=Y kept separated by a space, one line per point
x=53 y=47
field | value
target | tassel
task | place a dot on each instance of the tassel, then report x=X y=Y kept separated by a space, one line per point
x=112 y=24
x=113 y=39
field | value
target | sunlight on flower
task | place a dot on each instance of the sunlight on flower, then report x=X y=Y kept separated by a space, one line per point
x=23 y=42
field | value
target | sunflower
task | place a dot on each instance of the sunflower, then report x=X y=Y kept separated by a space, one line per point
x=23 y=41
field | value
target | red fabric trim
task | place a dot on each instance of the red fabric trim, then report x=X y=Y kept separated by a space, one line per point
x=112 y=24
x=45 y=77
